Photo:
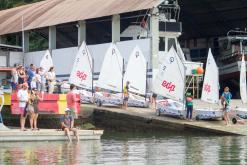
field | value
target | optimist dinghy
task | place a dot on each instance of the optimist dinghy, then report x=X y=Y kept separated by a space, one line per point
x=110 y=79
x=82 y=74
x=242 y=112
x=136 y=74
x=210 y=91
x=169 y=83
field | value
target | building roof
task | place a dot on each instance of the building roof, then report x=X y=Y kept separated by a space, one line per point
x=53 y=12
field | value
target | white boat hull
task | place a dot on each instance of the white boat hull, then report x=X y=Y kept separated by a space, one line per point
x=170 y=108
x=107 y=99
x=86 y=97
x=241 y=112
x=116 y=99
x=207 y=113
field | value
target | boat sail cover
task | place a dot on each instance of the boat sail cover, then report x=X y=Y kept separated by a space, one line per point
x=81 y=74
x=111 y=73
x=210 y=90
x=169 y=81
x=136 y=72
x=243 y=92
x=46 y=61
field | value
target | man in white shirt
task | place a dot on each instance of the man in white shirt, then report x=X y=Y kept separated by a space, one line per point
x=22 y=96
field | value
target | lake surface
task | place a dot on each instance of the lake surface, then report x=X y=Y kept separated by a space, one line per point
x=125 y=149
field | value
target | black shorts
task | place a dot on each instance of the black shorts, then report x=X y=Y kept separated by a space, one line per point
x=154 y=95
x=126 y=98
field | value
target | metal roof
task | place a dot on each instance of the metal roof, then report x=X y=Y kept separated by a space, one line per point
x=54 y=12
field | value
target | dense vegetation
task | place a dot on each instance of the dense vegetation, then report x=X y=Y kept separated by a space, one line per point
x=6 y=4
x=37 y=42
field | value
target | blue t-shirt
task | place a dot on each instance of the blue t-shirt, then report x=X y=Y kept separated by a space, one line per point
x=66 y=120
x=30 y=74
x=227 y=96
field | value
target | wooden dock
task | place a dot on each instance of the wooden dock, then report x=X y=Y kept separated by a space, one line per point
x=46 y=135
x=148 y=119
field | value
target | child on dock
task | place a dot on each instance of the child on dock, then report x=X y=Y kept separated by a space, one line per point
x=126 y=95
x=225 y=101
x=189 y=106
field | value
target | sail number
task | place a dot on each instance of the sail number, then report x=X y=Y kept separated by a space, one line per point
x=81 y=75
x=207 y=88
x=168 y=85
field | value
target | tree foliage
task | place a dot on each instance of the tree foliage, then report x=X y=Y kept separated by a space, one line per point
x=6 y=4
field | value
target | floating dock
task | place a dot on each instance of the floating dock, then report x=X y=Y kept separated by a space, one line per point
x=16 y=135
x=136 y=118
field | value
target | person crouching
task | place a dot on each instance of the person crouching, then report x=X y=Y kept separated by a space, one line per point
x=67 y=122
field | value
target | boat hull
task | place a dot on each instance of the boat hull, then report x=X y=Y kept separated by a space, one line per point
x=107 y=99
x=116 y=99
x=241 y=112
x=171 y=108
x=206 y=113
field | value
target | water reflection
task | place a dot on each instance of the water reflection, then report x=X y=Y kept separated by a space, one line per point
x=131 y=150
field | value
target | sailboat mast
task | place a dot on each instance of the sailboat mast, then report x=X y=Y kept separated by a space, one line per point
x=146 y=81
x=92 y=74
x=122 y=78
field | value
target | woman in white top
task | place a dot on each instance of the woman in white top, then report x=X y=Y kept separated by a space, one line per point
x=14 y=78
x=38 y=79
x=51 y=78
x=22 y=96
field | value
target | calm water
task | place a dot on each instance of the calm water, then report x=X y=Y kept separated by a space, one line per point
x=127 y=149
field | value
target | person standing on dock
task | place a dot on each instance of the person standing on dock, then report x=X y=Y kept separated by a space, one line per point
x=51 y=78
x=34 y=101
x=43 y=79
x=225 y=101
x=31 y=75
x=22 y=96
x=126 y=95
x=153 y=100
x=189 y=106
x=72 y=100
x=14 y=78
x=67 y=122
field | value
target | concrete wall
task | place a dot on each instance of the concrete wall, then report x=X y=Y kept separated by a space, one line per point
x=15 y=58
x=33 y=58
x=63 y=59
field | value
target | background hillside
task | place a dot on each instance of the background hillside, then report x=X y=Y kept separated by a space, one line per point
x=5 y=4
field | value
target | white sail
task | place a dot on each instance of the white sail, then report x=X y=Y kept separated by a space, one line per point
x=210 y=88
x=136 y=72
x=169 y=82
x=243 y=92
x=81 y=74
x=111 y=73
x=46 y=61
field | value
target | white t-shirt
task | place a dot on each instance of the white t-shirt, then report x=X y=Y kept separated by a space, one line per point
x=51 y=76
x=38 y=77
x=33 y=84
x=22 y=96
